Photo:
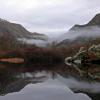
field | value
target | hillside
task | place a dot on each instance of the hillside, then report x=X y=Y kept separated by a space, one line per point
x=82 y=33
x=13 y=29
x=12 y=33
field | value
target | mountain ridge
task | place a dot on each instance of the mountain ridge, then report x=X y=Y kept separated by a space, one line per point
x=88 y=31
x=11 y=33
x=95 y=21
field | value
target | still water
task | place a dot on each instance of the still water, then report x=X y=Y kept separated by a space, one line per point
x=48 y=82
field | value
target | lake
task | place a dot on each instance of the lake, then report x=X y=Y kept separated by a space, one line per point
x=49 y=82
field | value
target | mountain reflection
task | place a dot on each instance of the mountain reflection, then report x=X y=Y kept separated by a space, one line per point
x=14 y=77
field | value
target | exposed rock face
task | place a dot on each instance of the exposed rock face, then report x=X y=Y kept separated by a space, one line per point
x=90 y=55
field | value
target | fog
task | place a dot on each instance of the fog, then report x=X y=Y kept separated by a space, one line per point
x=91 y=31
x=37 y=42
x=85 y=86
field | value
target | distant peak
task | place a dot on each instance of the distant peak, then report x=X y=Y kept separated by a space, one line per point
x=97 y=15
x=95 y=20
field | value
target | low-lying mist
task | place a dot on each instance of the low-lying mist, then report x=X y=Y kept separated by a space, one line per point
x=90 y=31
x=85 y=86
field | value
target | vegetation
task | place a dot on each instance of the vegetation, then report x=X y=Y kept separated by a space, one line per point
x=34 y=54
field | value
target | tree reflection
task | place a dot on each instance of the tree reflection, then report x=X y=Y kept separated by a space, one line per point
x=14 y=77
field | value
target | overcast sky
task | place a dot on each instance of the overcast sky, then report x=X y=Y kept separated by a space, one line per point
x=53 y=17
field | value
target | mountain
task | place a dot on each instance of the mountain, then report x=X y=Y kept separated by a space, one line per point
x=16 y=82
x=82 y=33
x=13 y=29
x=94 y=22
x=17 y=31
x=12 y=34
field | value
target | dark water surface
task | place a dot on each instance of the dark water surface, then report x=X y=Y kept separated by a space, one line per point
x=49 y=82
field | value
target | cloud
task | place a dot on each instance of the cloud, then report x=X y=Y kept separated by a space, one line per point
x=46 y=16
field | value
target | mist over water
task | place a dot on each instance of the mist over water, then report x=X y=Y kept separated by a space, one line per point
x=74 y=84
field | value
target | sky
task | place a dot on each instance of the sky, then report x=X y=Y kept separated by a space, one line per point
x=51 y=17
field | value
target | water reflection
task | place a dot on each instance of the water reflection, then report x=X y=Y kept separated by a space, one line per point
x=49 y=90
x=42 y=80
